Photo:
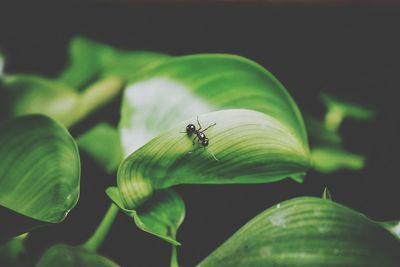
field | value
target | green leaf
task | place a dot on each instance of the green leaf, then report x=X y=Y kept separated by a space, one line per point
x=13 y=253
x=184 y=87
x=250 y=147
x=309 y=232
x=318 y=132
x=160 y=216
x=68 y=256
x=326 y=194
x=259 y=134
x=90 y=60
x=338 y=109
x=39 y=170
x=331 y=159
x=103 y=143
x=28 y=94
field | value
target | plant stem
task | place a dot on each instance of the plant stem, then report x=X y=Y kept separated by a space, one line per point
x=174 y=257
x=96 y=240
x=95 y=96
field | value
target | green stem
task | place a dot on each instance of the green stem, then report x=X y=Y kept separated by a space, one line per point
x=95 y=96
x=96 y=240
x=174 y=257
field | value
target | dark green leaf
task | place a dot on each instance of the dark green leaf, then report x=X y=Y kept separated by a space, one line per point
x=161 y=215
x=308 y=232
x=39 y=169
x=67 y=256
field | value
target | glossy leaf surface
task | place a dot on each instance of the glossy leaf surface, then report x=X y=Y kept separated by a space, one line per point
x=308 y=232
x=161 y=215
x=39 y=168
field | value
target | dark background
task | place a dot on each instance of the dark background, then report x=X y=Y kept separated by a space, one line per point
x=348 y=50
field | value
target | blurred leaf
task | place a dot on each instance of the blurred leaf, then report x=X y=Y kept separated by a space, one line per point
x=326 y=195
x=68 y=256
x=161 y=215
x=13 y=253
x=39 y=171
x=251 y=147
x=318 y=133
x=331 y=159
x=187 y=86
x=309 y=232
x=28 y=94
x=338 y=109
x=103 y=143
x=90 y=60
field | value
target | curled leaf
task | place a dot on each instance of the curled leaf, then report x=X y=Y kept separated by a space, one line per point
x=308 y=231
x=264 y=141
x=250 y=147
x=161 y=216
x=39 y=171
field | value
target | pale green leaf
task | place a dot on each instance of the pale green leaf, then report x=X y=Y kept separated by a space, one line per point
x=187 y=86
x=39 y=170
x=68 y=256
x=308 y=232
x=249 y=147
x=331 y=159
x=259 y=134
x=161 y=215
